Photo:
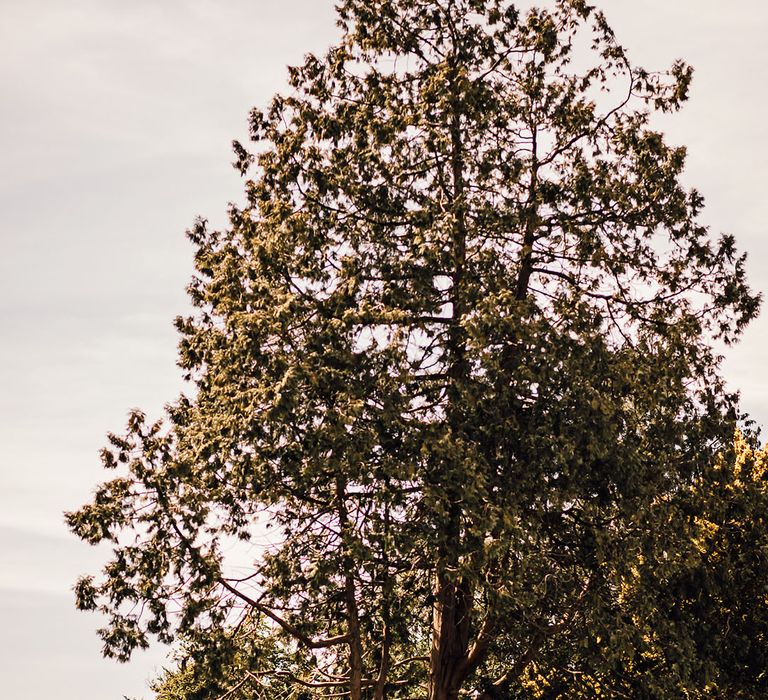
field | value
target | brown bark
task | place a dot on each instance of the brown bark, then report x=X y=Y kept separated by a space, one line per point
x=350 y=600
x=531 y=222
x=380 y=689
x=355 y=646
x=450 y=638
x=452 y=605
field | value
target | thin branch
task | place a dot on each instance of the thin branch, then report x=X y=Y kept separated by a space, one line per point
x=284 y=624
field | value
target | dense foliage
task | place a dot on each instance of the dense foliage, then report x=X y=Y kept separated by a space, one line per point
x=453 y=378
x=689 y=622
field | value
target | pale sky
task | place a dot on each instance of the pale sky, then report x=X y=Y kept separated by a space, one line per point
x=115 y=126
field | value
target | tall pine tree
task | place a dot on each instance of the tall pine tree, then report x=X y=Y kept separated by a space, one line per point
x=452 y=354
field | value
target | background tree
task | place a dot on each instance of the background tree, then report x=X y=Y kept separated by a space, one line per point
x=455 y=350
x=249 y=663
x=688 y=621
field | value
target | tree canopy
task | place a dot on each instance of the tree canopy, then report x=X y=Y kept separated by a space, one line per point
x=452 y=383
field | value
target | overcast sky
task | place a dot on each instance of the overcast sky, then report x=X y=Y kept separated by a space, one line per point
x=115 y=126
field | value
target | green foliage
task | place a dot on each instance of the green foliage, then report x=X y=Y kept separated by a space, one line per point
x=455 y=353
x=690 y=622
x=687 y=616
x=247 y=662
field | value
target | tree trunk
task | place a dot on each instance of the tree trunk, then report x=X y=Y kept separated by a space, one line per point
x=452 y=595
x=355 y=646
x=380 y=688
x=450 y=638
x=350 y=595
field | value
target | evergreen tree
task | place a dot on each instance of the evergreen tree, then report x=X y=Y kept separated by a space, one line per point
x=453 y=353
